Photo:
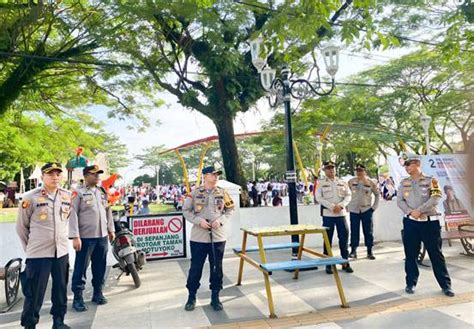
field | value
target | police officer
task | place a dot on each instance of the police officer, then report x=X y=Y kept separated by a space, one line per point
x=209 y=208
x=418 y=198
x=90 y=225
x=42 y=228
x=361 y=209
x=334 y=195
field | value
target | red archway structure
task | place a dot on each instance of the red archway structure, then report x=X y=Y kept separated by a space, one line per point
x=206 y=143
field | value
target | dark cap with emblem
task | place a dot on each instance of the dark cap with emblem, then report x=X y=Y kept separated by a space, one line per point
x=329 y=164
x=360 y=166
x=92 y=170
x=211 y=170
x=50 y=166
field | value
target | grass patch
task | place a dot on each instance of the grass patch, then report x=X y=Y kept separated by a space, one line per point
x=154 y=208
x=8 y=215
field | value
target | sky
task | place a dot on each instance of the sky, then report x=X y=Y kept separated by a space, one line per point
x=180 y=125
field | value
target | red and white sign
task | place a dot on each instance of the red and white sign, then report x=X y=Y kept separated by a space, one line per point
x=160 y=236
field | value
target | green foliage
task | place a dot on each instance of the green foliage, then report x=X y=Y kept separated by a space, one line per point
x=138 y=181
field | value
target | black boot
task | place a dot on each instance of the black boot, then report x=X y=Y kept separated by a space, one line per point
x=33 y=326
x=99 y=298
x=58 y=323
x=78 y=303
x=353 y=253
x=215 y=302
x=347 y=268
x=191 y=303
x=370 y=255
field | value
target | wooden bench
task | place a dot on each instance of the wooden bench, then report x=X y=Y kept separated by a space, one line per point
x=10 y=274
x=294 y=265
x=301 y=264
x=275 y=246
x=465 y=233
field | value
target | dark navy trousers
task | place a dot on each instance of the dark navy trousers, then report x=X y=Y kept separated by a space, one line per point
x=430 y=234
x=367 y=228
x=34 y=280
x=340 y=224
x=94 y=250
x=199 y=252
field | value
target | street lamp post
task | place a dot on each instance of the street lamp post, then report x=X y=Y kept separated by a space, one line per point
x=425 y=122
x=281 y=90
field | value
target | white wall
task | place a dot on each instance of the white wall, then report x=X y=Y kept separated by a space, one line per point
x=387 y=223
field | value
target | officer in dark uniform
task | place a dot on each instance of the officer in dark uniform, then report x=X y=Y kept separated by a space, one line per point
x=42 y=228
x=418 y=198
x=90 y=225
x=361 y=209
x=209 y=208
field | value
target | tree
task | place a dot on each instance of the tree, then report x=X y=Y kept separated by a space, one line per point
x=198 y=51
x=29 y=139
x=46 y=51
x=117 y=153
x=147 y=179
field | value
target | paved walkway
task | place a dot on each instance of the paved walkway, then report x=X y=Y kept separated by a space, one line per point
x=374 y=291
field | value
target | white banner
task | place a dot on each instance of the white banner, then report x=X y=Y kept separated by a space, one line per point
x=450 y=170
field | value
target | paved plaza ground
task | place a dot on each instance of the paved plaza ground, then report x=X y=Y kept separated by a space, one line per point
x=374 y=292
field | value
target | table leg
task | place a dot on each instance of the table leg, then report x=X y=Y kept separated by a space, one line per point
x=334 y=270
x=241 y=265
x=300 y=253
x=263 y=260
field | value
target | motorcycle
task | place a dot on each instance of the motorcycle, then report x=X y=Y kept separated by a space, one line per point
x=130 y=259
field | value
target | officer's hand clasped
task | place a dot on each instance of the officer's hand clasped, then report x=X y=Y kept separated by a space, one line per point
x=204 y=224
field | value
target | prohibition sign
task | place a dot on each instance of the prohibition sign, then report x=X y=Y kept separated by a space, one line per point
x=175 y=225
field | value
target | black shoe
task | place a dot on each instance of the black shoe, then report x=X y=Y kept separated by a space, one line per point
x=58 y=323
x=191 y=303
x=78 y=303
x=347 y=268
x=329 y=270
x=353 y=254
x=410 y=290
x=31 y=327
x=215 y=302
x=370 y=256
x=448 y=292
x=99 y=298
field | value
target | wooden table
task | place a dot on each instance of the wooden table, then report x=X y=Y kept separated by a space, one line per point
x=266 y=268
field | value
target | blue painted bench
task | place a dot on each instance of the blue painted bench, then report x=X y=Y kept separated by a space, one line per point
x=302 y=264
x=276 y=246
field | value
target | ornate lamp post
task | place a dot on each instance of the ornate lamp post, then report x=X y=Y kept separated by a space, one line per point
x=425 y=122
x=280 y=90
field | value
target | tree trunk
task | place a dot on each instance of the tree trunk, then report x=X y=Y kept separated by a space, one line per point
x=230 y=156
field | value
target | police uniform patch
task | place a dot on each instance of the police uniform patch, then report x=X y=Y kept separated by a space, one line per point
x=25 y=204
x=43 y=215
x=434 y=189
x=228 y=202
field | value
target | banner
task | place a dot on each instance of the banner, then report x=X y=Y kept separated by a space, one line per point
x=160 y=236
x=450 y=170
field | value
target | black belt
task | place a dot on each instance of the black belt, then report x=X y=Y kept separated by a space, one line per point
x=428 y=219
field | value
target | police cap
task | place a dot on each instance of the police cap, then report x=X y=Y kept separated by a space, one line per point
x=211 y=170
x=329 y=164
x=92 y=170
x=50 y=166
x=410 y=158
